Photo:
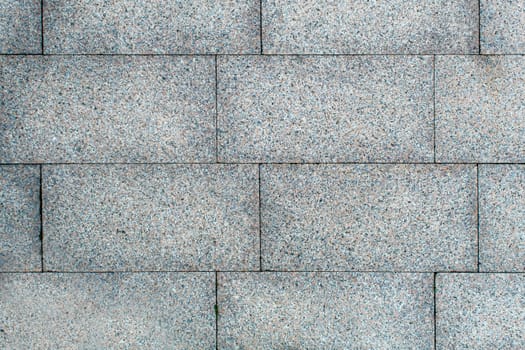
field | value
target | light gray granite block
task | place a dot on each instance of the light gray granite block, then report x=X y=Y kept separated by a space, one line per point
x=502 y=26
x=152 y=27
x=325 y=311
x=107 y=109
x=480 y=109
x=107 y=311
x=325 y=109
x=150 y=217
x=20 y=27
x=502 y=217
x=19 y=218
x=480 y=311
x=370 y=27
x=369 y=217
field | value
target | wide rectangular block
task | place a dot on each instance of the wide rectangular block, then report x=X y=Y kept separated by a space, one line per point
x=502 y=218
x=152 y=27
x=325 y=109
x=370 y=27
x=480 y=311
x=369 y=217
x=107 y=109
x=502 y=26
x=19 y=218
x=150 y=217
x=325 y=311
x=20 y=27
x=107 y=311
x=480 y=109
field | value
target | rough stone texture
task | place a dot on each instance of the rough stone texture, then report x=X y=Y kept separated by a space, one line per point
x=363 y=26
x=480 y=311
x=107 y=311
x=19 y=218
x=502 y=26
x=107 y=109
x=325 y=311
x=502 y=217
x=325 y=109
x=20 y=27
x=369 y=217
x=154 y=26
x=480 y=109
x=150 y=217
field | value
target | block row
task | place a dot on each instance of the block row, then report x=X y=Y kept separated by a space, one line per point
x=420 y=218
x=259 y=109
x=262 y=311
x=267 y=26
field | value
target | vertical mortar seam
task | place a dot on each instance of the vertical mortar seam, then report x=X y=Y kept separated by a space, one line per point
x=477 y=215
x=260 y=217
x=435 y=311
x=42 y=26
x=260 y=26
x=434 y=102
x=216 y=311
x=479 y=27
x=41 y=222
x=216 y=111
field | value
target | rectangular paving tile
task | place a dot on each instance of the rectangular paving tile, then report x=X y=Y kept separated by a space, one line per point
x=154 y=26
x=502 y=217
x=325 y=311
x=107 y=311
x=480 y=109
x=150 y=217
x=369 y=217
x=325 y=109
x=20 y=218
x=370 y=27
x=480 y=311
x=20 y=27
x=107 y=109
x=502 y=26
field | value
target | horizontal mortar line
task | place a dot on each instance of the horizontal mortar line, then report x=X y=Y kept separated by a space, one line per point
x=258 y=54
x=264 y=271
x=267 y=163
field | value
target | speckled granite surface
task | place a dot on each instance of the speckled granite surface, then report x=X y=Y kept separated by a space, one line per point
x=480 y=311
x=20 y=218
x=262 y=174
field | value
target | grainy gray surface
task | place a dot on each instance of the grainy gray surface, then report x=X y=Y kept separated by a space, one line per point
x=480 y=311
x=369 y=217
x=19 y=218
x=107 y=109
x=150 y=217
x=325 y=311
x=502 y=217
x=107 y=311
x=502 y=26
x=153 y=26
x=480 y=109
x=20 y=27
x=325 y=109
x=370 y=27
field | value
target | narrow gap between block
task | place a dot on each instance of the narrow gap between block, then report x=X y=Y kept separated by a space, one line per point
x=41 y=222
x=216 y=309
x=479 y=27
x=435 y=310
x=42 y=26
x=260 y=26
